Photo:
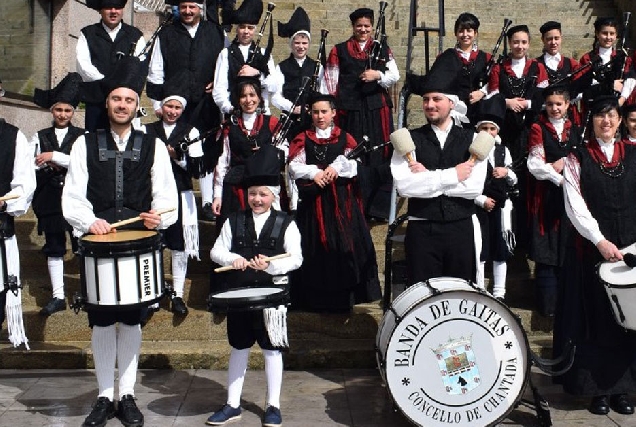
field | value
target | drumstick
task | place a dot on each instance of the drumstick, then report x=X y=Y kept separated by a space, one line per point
x=138 y=218
x=269 y=258
x=9 y=197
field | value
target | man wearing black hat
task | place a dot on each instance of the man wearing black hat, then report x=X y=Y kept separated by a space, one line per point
x=242 y=59
x=115 y=174
x=98 y=48
x=17 y=183
x=52 y=148
x=441 y=182
x=187 y=51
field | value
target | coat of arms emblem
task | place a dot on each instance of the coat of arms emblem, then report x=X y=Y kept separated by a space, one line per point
x=458 y=367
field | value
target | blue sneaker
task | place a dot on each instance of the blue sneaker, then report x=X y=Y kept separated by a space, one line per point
x=224 y=415
x=272 y=417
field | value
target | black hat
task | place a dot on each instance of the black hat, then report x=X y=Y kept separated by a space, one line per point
x=104 y=4
x=603 y=102
x=66 y=91
x=492 y=110
x=549 y=26
x=249 y=12
x=360 y=13
x=516 y=29
x=263 y=167
x=177 y=2
x=299 y=21
x=128 y=72
x=436 y=80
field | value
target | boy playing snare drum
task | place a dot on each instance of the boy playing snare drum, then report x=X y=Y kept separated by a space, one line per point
x=273 y=233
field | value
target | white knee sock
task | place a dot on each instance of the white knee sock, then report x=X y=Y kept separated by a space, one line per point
x=128 y=346
x=104 y=345
x=236 y=376
x=480 y=275
x=56 y=273
x=179 y=270
x=206 y=185
x=499 y=269
x=274 y=375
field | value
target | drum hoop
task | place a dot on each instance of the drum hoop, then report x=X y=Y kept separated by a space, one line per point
x=526 y=376
x=120 y=307
x=120 y=249
x=249 y=303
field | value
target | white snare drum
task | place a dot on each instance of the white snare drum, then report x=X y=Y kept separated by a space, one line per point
x=248 y=299
x=455 y=357
x=121 y=270
x=619 y=281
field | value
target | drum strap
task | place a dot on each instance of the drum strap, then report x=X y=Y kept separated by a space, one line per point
x=105 y=154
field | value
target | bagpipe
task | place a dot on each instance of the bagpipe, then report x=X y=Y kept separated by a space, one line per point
x=494 y=59
x=254 y=59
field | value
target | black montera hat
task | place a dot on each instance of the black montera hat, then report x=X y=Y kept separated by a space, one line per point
x=263 y=167
x=516 y=29
x=299 y=21
x=177 y=2
x=549 y=26
x=103 y=4
x=128 y=73
x=249 y=12
x=492 y=110
x=436 y=80
x=359 y=13
x=66 y=91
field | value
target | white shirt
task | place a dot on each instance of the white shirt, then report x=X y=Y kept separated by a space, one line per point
x=511 y=178
x=222 y=255
x=537 y=165
x=552 y=61
x=84 y=64
x=59 y=158
x=221 y=90
x=436 y=182
x=23 y=180
x=194 y=150
x=78 y=211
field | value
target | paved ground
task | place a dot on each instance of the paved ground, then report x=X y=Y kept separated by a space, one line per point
x=186 y=398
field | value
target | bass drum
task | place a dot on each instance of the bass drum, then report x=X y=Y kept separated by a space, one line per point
x=450 y=354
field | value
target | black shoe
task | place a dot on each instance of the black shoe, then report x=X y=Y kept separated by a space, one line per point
x=53 y=306
x=128 y=413
x=208 y=214
x=621 y=404
x=599 y=405
x=103 y=410
x=178 y=306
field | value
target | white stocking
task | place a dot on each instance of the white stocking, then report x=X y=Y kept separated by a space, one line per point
x=499 y=269
x=128 y=346
x=481 y=282
x=104 y=345
x=274 y=375
x=179 y=269
x=236 y=376
x=207 y=188
x=56 y=273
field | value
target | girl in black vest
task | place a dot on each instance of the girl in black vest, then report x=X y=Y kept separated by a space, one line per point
x=52 y=148
x=364 y=105
x=599 y=181
x=246 y=255
x=340 y=267
x=550 y=141
x=241 y=138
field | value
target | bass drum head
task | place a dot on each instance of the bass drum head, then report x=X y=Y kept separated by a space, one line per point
x=458 y=357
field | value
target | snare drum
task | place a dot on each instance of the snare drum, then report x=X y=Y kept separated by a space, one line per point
x=121 y=270
x=248 y=299
x=619 y=281
x=450 y=354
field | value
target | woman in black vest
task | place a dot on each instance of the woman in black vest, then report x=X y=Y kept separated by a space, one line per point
x=599 y=181
x=241 y=137
x=364 y=104
x=340 y=267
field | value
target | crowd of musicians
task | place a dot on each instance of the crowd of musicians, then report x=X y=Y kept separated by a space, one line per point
x=293 y=195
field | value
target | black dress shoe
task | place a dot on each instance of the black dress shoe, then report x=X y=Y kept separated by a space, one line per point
x=208 y=213
x=178 y=306
x=103 y=410
x=599 y=405
x=128 y=413
x=53 y=306
x=621 y=404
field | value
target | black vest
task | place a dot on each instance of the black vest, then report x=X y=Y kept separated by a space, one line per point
x=189 y=58
x=428 y=152
x=497 y=188
x=47 y=199
x=559 y=73
x=181 y=176
x=467 y=76
x=350 y=87
x=554 y=149
x=294 y=75
x=324 y=155
x=105 y=54
x=137 y=184
x=611 y=200
x=245 y=243
x=8 y=135
x=236 y=61
x=523 y=87
x=241 y=149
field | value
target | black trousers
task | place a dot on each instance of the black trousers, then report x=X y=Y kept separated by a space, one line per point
x=244 y=328
x=55 y=243
x=439 y=248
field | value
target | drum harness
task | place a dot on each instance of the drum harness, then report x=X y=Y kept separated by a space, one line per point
x=565 y=360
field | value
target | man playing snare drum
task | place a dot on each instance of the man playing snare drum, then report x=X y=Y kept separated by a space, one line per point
x=96 y=194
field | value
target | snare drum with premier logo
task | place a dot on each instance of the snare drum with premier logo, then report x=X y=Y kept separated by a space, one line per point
x=121 y=270
x=450 y=354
